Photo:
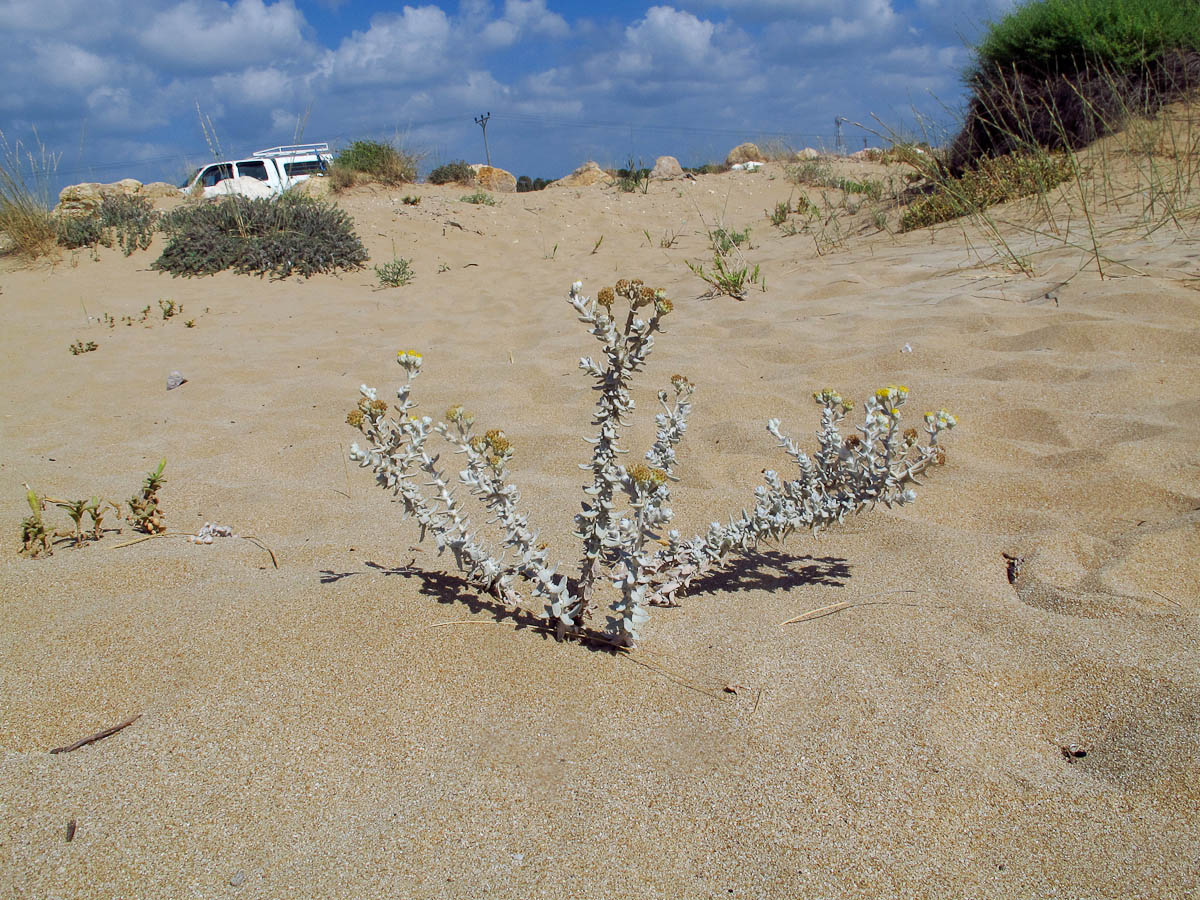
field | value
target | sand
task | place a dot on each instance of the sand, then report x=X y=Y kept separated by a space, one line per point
x=308 y=731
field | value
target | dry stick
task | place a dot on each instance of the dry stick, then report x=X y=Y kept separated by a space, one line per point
x=832 y=608
x=245 y=537
x=98 y=736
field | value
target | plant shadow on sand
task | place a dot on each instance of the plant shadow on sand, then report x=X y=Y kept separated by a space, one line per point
x=767 y=570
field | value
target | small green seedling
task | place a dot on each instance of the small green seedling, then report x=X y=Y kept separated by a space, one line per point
x=96 y=510
x=596 y=246
x=75 y=509
x=169 y=308
x=34 y=537
x=80 y=347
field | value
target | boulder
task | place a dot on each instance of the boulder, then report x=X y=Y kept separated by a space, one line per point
x=156 y=190
x=79 y=199
x=492 y=179
x=84 y=199
x=806 y=154
x=744 y=153
x=587 y=174
x=666 y=167
x=241 y=185
x=312 y=187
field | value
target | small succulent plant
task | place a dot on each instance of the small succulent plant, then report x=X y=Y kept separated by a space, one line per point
x=627 y=508
x=144 y=511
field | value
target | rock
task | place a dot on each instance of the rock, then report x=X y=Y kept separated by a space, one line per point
x=84 y=199
x=242 y=185
x=806 y=154
x=587 y=174
x=155 y=190
x=744 y=153
x=491 y=178
x=238 y=879
x=312 y=187
x=666 y=167
x=79 y=199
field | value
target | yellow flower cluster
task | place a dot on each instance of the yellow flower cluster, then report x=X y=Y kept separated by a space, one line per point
x=646 y=477
x=493 y=446
x=410 y=360
x=459 y=416
x=941 y=419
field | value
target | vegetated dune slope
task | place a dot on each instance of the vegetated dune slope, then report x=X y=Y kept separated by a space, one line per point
x=317 y=729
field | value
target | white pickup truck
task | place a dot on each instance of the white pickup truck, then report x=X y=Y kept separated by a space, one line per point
x=265 y=174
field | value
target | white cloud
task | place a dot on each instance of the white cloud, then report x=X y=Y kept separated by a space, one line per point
x=522 y=18
x=68 y=66
x=210 y=35
x=255 y=87
x=410 y=46
x=667 y=41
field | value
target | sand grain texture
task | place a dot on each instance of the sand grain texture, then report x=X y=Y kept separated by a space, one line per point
x=304 y=730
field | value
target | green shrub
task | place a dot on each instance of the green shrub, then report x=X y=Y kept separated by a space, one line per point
x=525 y=183
x=127 y=220
x=1070 y=35
x=282 y=236
x=396 y=273
x=132 y=220
x=458 y=172
x=992 y=181
x=75 y=232
x=372 y=161
x=1062 y=73
x=479 y=198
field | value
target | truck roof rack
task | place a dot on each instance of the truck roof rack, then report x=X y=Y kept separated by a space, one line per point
x=292 y=150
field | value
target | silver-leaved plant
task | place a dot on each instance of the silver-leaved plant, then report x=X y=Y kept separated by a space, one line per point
x=627 y=507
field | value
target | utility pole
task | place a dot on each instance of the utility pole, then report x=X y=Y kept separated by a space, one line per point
x=482 y=121
x=841 y=144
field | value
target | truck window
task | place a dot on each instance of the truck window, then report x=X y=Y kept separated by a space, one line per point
x=304 y=167
x=215 y=174
x=256 y=169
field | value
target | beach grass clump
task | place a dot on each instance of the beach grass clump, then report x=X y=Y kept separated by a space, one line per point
x=990 y=182
x=457 y=172
x=278 y=236
x=622 y=527
x=1062 y=73
x=25 y=178
x=634 y=177
x=372 y=161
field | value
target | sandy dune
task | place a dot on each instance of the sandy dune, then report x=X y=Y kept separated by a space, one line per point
x=306 y=731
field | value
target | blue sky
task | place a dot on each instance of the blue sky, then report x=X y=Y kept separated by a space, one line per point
x=113 y=87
